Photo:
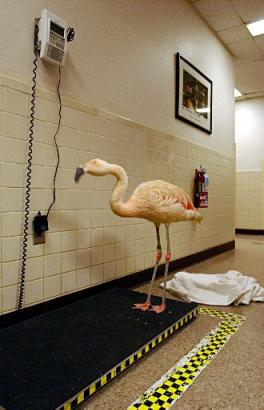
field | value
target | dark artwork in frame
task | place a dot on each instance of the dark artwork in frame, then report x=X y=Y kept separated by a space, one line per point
x=193 y=95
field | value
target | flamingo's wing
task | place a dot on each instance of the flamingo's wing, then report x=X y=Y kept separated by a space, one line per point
x=162 y=194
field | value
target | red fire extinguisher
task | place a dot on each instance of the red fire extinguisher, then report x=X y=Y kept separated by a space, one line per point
x=201 y=188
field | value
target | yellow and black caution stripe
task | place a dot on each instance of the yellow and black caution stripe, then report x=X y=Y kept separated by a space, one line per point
x=111 y=374
x=164 y=393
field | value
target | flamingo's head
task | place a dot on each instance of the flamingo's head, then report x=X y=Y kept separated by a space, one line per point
x=96 y=167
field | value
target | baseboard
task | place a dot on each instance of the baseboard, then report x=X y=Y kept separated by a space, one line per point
x=250 y=231
x=128 y=281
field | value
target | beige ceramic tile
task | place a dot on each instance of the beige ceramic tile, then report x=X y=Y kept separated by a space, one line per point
x=83 y=219
x=83 y=278
x=83 y=258
x=12 y=199
x=68 y=261
x=34 y=268
x=53 y=243
x=47 y=111
x=11 y=248
x=13 y=150
x=97 y=274
x=42 y=176
x=12 y=224
x=16 y=102
x=109 y=235
x=97 y=255
x=52 y=286
x=12 y=175
x=44 y=154
x=109 y=271
x=49 y=131
x=69 y=282
x=9 y=298
x=35 y=250
x=1 y=98
x=52 y=264
x=109 y=252
x=10 y=273
x=83 y=239
x=1 y=123
x=249 y=204
x=120 y=267
x=68 y=241
x=34 y=292
x=68 y=220
x=97 y=237
x=15 y=126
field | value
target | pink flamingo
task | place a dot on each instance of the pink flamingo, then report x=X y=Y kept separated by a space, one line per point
x=157 y=201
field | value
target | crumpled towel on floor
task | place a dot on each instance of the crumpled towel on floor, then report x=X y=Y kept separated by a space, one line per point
x=216 y=289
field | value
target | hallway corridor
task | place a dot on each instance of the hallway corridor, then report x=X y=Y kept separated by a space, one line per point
x=234 y=380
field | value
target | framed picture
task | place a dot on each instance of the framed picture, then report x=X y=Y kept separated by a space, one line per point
x=193 y=95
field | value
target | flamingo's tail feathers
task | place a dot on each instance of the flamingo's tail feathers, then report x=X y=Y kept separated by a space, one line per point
x=194 y=216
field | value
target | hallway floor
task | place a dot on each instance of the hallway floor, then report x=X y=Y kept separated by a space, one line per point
x=234 y=380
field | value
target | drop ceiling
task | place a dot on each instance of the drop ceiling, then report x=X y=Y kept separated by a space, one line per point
x=228 y=19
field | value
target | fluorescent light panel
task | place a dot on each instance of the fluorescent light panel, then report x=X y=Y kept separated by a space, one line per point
x=256 y=28
x=237 y=93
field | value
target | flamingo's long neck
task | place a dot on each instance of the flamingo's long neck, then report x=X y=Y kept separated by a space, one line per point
x=118 y=206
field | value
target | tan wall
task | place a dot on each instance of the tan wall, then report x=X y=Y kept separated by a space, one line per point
x=250 y=199
x=122 y=60
x=249 y=121
x=86 y=243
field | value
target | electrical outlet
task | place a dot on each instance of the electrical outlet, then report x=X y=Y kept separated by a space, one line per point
x=40 y=226
x=39 y=238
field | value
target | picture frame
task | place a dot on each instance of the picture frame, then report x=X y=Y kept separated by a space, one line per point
x=194 y=95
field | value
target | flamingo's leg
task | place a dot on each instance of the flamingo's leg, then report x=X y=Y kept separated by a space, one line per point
x=145 y=306
x=160 y=308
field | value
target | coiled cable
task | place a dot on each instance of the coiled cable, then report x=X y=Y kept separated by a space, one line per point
x=28 y=176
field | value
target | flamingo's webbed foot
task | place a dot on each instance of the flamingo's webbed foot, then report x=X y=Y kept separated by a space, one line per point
x=142 y=306
x=158 y=308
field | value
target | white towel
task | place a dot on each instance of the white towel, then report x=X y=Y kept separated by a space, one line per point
x=216 y=289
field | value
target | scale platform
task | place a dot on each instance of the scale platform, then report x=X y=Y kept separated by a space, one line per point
x=59 y=359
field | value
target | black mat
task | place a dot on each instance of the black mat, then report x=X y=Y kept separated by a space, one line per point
x=46 y=360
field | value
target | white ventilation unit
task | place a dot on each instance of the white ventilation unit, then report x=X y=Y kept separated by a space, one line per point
x=52 y=38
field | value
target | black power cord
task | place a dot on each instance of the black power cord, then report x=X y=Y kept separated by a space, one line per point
x=40 y=222
x=56 y=144
x=29 y=171
x=28 y=174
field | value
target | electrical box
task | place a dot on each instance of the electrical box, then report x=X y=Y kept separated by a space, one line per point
x=52 y=38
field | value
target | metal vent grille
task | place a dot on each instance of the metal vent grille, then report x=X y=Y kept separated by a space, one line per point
x=55 y=54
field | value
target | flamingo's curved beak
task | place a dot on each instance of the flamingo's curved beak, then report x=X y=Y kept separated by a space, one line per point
x=78 y=173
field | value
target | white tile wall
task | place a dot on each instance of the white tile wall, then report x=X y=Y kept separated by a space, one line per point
x=86 y=243
x=250 y=199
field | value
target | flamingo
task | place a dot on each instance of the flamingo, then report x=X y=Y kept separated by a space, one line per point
x=157 y=201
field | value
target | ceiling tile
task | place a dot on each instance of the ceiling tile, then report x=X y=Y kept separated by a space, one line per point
x=220 y=15
x=249 y=77
x=249 y=10
x=233 y=34
x=228 y=18
x=245 y=49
